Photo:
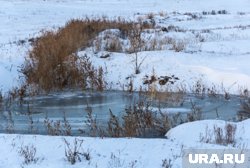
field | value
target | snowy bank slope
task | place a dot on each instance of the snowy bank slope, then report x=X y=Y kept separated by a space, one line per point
x=120 y=152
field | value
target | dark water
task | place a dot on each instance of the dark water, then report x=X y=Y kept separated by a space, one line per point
x=74 y=105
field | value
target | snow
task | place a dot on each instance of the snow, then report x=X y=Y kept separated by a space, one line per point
x=231 y=71
x=172 y=110
x=217 y=53
x=142 y=152
x=222 y=58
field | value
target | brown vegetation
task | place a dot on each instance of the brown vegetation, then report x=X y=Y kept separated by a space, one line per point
x=138 y=121
x=53 y=62
x=222 y=136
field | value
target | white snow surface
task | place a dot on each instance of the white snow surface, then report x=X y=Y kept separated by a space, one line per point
x=119 y=152
x=221 y=59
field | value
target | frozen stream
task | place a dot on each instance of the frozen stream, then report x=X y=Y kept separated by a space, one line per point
x=74 y=106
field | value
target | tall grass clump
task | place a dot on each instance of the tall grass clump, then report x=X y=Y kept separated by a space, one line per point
x=53 y=62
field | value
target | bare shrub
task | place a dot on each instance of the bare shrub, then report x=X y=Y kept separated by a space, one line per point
x=199 y=89
x=137 y=43
x=137 y=120
x=58 y=127
x=97 y=45
x=29 y=154
x=207 y=137
x=66 y=127
x=150 y=16
x=154 y=44
x=196 y=113
x=176 y=119
x=212 y=92
x=93 y=78
x=16 y=93
x=113 y=45
x=100 y=81
x=167 y=163
x=244 y=93
x=91 y=122
x=52 y=127
x=172 y=28
x=130 y=86
x=110 y=40
x=94 y=129
x=140 y=121
x=32 y=128
x=133 y=164
x=73 y=153
x=178 y=46
x=222 y=12
x=145 y=118
x=221 y=136
x=158 y=42
x=163 y=124
x=114 y=128
x=213 y=12
x=10 y=127
x=115 y=161
x=227 y=95
x=218 y=132
x=230 y=134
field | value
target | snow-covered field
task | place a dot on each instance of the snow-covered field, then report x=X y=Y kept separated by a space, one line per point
x=216 y=45
x=119 y=152
x=216 y=52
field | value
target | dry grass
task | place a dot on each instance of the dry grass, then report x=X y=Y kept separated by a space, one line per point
x=114 y=126
x=138 y=121
x=53 y=62
x=222 y=136
x=244 y=92
x=59 y=127
x=167 y=163
x=113 y=45
x=29 y=154
x=74 y=153
x=196 y=113
x=178 y=45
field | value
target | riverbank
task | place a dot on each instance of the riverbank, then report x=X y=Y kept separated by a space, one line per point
x=124 y=152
